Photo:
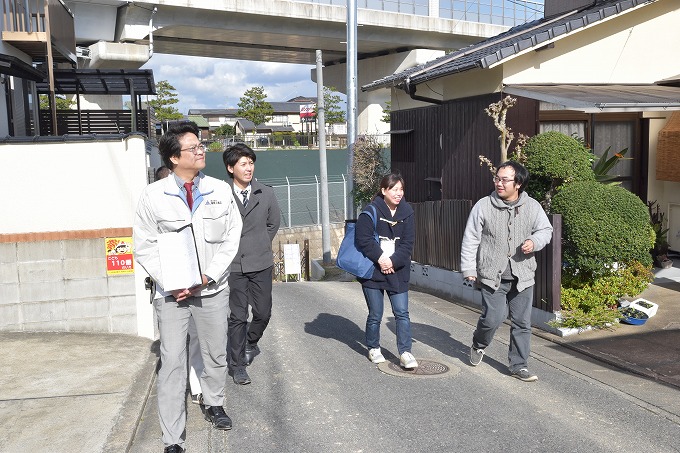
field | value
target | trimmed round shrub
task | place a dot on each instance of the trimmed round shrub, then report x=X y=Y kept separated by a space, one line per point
x=603 y=225
x=553 y=158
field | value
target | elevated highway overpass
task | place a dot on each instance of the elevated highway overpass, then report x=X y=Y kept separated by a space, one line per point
x=125 y=34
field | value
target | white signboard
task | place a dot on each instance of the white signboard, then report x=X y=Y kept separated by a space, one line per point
x=291 y=260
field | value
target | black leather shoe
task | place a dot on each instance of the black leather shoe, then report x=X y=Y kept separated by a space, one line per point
x=218 y=417
x=173 y=449
x=252 y=350
x=240 y=376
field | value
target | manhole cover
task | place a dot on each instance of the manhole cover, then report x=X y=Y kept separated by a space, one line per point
x=426 y=368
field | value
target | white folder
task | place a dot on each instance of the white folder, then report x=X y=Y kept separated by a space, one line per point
x=180 y=267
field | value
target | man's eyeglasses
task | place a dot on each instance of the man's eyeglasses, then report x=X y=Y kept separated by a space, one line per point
x=195 y=149
x=496 y=180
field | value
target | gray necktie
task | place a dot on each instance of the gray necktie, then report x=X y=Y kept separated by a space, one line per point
x=245 y=198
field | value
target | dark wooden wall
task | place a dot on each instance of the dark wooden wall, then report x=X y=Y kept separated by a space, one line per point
x=444 y=144
x=418 y=156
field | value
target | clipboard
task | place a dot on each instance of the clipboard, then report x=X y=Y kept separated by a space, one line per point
x=180 y=267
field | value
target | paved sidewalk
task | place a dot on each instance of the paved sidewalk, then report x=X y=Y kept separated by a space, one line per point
x=80 y=392
x=72 y=392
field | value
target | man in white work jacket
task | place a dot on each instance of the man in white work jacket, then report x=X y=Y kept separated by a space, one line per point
x=187 y=196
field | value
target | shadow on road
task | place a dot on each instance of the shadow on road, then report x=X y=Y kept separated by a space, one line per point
x=338 y=328
x=442 y=341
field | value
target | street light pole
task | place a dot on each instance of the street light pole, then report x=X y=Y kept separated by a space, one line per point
x=321 y=131
x=351 y=100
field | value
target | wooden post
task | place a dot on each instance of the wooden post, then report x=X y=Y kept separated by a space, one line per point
x=306 y=258
x=50 y=72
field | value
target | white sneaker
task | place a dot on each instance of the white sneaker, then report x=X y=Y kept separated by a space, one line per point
x=375 y=356
x=408 y=361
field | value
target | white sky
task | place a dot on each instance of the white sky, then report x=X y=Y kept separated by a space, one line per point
x=212 y=83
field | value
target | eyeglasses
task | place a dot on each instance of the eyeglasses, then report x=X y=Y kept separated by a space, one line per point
x=194 y=149
x=496 y=180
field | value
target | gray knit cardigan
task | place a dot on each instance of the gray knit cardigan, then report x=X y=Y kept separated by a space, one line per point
x=494 y=234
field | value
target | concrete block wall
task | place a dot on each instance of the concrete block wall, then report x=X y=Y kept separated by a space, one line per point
x=62 y=285
x=313 y=233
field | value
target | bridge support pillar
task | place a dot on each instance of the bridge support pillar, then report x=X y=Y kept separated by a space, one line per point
x=371 y=104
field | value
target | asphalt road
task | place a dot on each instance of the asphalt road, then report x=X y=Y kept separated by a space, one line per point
x=314 y=390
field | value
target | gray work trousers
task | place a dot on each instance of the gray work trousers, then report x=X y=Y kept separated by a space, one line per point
x=209 y=314
x=495 y=307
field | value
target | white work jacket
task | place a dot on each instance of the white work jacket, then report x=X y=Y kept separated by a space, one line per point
x=216 y=222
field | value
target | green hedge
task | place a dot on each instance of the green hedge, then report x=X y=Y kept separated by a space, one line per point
x=603 y=224
x=553 y=158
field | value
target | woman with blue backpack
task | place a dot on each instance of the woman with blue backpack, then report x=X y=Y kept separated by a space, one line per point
x=390 y=252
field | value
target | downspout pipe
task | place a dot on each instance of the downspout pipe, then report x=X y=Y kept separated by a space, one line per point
x=410 y=89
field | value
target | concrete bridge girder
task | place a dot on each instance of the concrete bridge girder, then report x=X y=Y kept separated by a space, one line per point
x=288 y=32
x=274 y=31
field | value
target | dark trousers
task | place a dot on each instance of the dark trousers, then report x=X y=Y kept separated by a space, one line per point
x=496 y=304
x=252 y=289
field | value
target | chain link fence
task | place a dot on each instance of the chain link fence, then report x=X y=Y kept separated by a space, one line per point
x=300 y=199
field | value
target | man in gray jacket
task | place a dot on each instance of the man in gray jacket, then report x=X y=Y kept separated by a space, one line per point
x=502 y=233
x=250 y=279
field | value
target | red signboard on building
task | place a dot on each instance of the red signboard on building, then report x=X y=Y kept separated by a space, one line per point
x=307 y=112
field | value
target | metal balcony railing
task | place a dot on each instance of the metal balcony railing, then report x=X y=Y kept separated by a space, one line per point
x=87 y=122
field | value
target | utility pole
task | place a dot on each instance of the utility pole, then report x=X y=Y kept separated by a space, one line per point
x=321 y=133
x=351 y=99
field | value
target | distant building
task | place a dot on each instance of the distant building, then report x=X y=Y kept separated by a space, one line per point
x=286 y=117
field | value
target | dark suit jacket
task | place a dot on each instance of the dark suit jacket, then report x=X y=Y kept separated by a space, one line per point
x=261 y=220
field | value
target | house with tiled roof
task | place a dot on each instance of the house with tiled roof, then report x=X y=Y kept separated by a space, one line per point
x=286 y=117
x=602 y=70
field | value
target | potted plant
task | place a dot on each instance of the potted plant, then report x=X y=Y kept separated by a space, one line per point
x=658 y=221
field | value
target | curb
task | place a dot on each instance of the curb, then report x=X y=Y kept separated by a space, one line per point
x=608 y=359
x=125 y=428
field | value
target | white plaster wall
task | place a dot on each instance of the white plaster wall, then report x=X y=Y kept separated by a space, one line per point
x=472 y=83
x=72 y=186
x=62 y=284
x=632 y=48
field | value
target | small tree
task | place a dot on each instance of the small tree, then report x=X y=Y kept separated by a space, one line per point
x=60 y=100
x=387 y=111
x=163 y=104
x=499 y=111
x=368 y=168
x=333 y=113
x=253 y=106
x=225 y=130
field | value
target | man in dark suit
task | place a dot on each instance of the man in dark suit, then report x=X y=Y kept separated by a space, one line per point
x=250 y=278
